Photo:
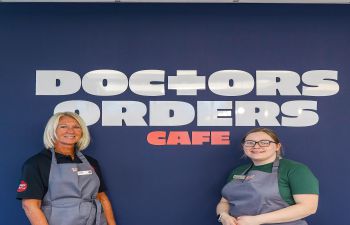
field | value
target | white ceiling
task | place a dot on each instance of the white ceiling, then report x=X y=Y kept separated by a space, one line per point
x=195 y=1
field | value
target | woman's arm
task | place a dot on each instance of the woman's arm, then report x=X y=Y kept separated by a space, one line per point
x=222 y=209
x=107 y=207
x=33 y=211
x=305 y=205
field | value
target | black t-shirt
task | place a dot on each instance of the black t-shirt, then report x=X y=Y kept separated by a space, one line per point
x=36 y=170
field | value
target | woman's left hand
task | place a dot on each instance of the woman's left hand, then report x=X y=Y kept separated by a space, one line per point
x=248 y=220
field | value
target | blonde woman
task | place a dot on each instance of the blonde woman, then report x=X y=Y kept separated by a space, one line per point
x=60 y=185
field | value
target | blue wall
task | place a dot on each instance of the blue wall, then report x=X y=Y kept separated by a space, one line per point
x=174 y=185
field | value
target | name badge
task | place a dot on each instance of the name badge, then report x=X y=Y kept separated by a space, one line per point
x=243 y=177
x=239 y=177
x=84 y=172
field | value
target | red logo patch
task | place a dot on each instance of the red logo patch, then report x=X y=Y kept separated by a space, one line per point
x=22 y=186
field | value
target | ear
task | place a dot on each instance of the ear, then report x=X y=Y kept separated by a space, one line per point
x=278 y=147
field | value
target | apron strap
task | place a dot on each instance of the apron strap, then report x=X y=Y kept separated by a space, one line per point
x=98 y=211
x=276 y=165
x=82 y=157
x=53 y=156
x=247 y=170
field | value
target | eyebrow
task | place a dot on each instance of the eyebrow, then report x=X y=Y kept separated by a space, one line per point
x=67 y=124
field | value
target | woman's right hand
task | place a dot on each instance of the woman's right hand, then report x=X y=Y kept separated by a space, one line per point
x=226 y=219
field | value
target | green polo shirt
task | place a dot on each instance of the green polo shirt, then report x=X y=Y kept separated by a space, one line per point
x=293 y=178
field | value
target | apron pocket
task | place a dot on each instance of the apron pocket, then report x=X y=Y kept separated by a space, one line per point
x=65 y=214
x=87 y=213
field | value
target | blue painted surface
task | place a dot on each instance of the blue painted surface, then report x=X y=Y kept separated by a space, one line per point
x=173 y=185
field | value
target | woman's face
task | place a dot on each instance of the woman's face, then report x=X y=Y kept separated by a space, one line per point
x=261 y=155
x=68 y=132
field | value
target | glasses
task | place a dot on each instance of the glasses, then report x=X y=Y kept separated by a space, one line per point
x=261 y=143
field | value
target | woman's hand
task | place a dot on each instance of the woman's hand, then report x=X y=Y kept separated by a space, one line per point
x=222 y=209
x=248 y=220
x=226 y=219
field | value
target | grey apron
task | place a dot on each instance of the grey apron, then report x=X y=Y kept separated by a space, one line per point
x=71 y=196
x=256 y=194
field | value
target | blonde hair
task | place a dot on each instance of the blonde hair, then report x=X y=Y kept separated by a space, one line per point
x=269 y=132
x=50 y=136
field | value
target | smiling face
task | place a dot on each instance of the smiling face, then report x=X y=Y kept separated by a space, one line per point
x=68 y=133
x=261 y=155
